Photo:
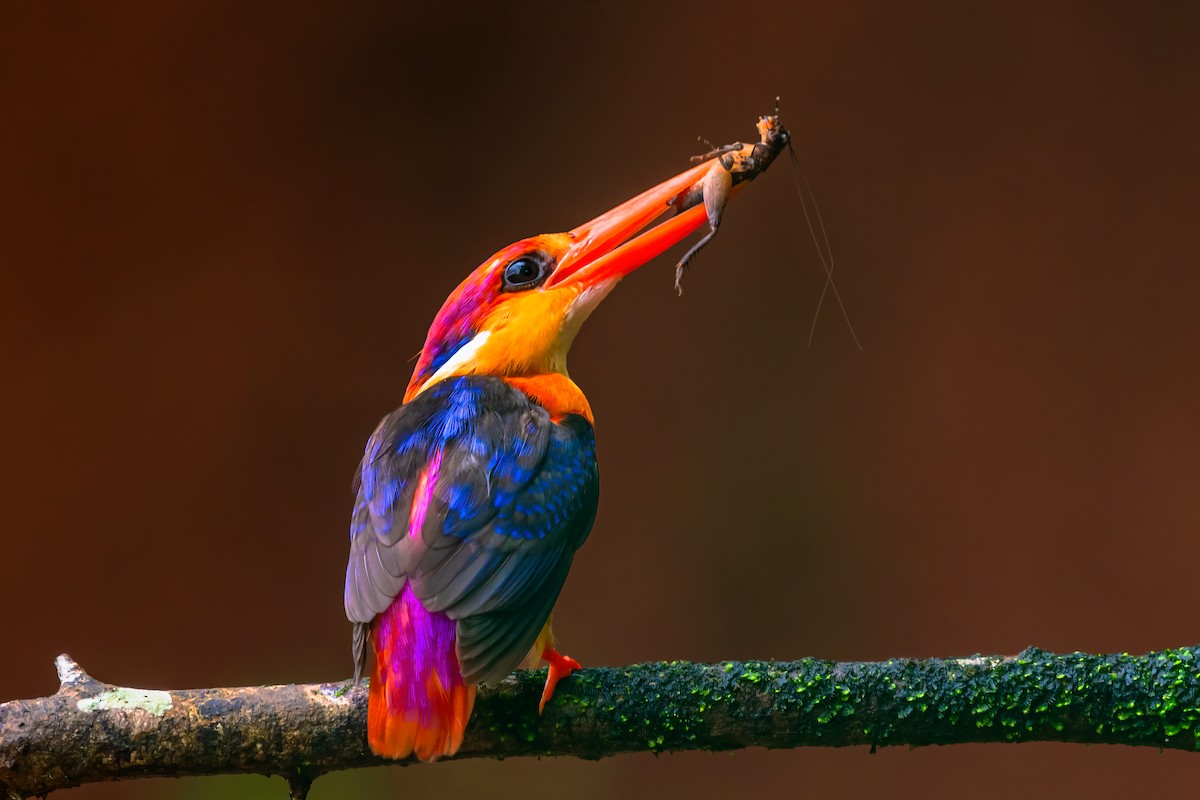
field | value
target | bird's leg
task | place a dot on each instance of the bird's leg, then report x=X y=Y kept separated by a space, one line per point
x=560 y=667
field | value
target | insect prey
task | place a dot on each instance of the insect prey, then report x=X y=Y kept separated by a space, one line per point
x=732 y=165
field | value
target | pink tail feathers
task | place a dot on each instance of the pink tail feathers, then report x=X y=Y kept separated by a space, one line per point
x=418 y=703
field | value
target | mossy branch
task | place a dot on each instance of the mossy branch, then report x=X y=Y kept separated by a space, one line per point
x=90 y=731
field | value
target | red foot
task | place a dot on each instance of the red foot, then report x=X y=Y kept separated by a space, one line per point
x=560 y=667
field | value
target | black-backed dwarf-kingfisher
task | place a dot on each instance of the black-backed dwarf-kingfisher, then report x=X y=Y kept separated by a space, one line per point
x=474 y=495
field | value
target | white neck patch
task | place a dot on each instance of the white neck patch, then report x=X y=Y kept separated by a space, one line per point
x=460 y=358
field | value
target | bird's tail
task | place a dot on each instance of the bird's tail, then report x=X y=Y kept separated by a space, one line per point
x=418 y=702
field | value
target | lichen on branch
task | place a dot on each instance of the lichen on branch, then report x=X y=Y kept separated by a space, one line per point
x=90 y=731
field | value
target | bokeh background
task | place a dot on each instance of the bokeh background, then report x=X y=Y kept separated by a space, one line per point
x=225 y=228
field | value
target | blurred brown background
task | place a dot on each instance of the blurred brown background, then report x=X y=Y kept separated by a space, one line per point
x=224 y=233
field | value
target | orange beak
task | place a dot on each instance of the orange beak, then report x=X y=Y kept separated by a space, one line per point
x=609 y=247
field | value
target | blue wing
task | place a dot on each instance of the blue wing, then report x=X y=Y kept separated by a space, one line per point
x=513 y=494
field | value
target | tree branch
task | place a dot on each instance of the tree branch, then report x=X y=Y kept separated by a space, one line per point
x=90 y=731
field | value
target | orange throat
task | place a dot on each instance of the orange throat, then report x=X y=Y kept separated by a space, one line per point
x=554 y=392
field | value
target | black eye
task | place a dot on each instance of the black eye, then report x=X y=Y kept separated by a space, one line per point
x=525 y=272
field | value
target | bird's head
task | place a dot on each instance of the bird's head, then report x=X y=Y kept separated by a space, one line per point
x=518 y=312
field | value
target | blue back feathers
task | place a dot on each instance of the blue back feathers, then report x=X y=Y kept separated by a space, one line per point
x=515 y=495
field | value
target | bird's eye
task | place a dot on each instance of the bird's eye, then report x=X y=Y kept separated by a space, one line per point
x=525 y=272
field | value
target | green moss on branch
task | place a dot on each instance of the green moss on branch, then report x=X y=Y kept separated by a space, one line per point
x=1151 y=700
x=89 y=731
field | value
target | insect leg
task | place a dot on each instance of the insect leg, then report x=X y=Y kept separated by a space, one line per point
x=716 y=186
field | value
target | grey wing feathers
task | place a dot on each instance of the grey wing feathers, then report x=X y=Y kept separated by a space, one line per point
x=515 y=496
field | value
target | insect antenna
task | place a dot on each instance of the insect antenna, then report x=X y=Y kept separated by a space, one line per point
x=824 y=253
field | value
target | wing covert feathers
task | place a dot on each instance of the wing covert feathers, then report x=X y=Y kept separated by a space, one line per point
x=471 y=502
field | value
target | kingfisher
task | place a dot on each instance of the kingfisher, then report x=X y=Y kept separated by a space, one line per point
x=473 y=495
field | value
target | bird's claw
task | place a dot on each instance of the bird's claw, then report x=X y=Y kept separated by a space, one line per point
x=560 y=667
